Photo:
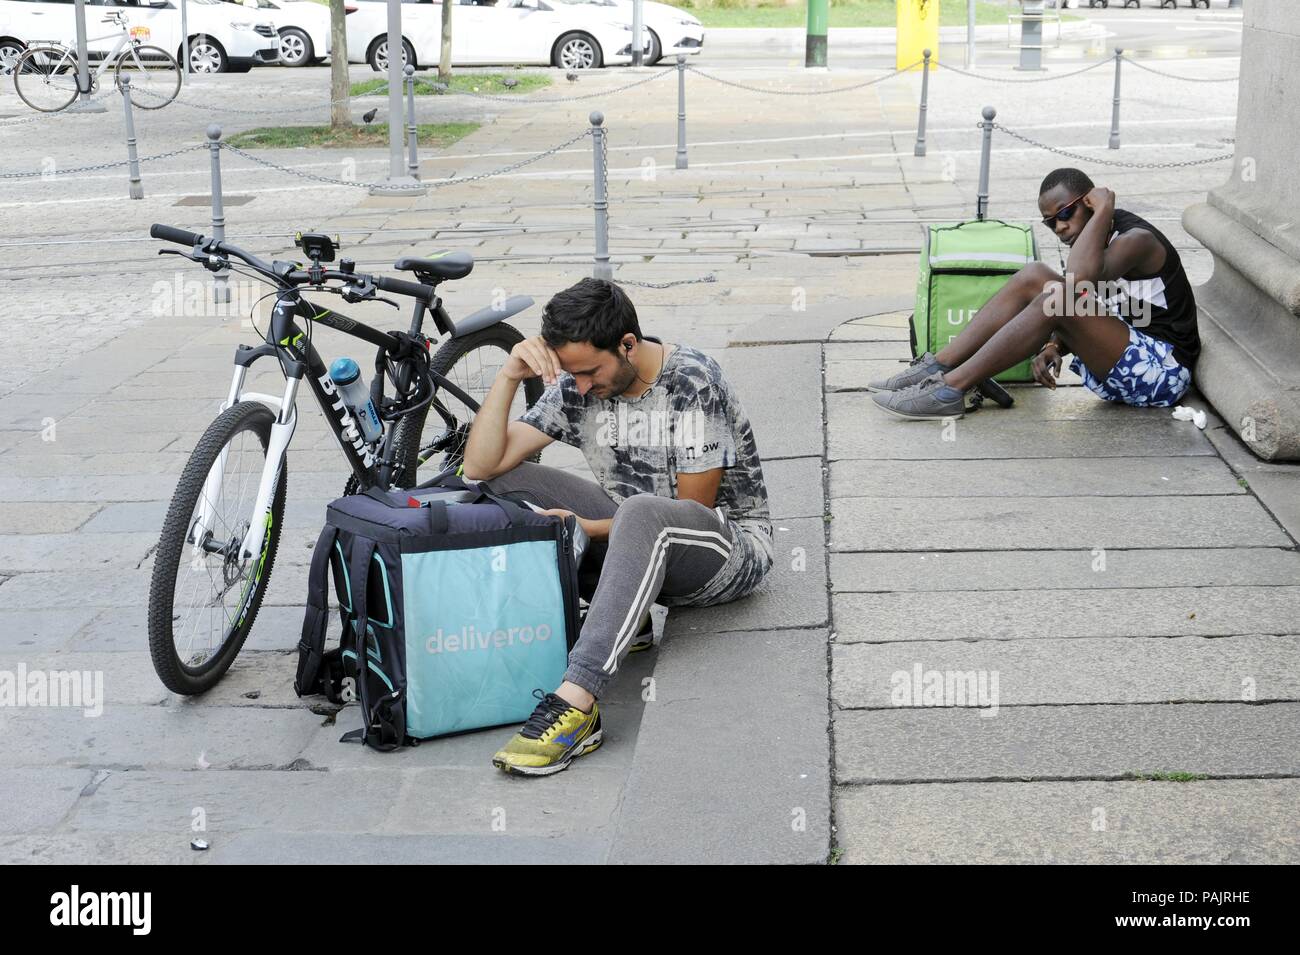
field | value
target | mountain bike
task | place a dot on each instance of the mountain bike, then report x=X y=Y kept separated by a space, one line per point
x=45 y=76
x=219 y=538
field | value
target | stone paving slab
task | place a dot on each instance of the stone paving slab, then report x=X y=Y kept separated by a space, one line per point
x=815 y=322
x=24 y=553
x=38 y=799
x=1065 y=742
x=377 y=800
x=855 y=430
x=79 y=849
x=794 y=487
x=383 y=850
x=921 y=523
x=175 y=737
x=1055 y=672
x=36 y=518
x=1214 y=822
x=43 y=631
x=887 y=327
x=719 y=799
x=1043 y=477
x=1038 y=614
x=791 y=425
x=119 y=587
x=1063 y=569
x=79 y=490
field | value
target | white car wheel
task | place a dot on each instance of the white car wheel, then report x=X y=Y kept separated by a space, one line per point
x=206 y=56
x=656 y=49
x=379 y=55
x=577 y=51
x=295 y=47
x=10 y=50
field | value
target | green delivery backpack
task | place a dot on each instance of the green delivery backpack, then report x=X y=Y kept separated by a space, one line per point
x=962 y=266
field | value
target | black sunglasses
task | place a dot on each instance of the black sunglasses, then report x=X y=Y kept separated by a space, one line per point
x=1063 y=214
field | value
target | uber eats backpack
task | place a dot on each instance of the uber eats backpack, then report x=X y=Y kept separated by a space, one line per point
x=962 y=266
x=456 y=604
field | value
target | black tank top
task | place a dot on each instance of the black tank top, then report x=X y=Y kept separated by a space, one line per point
x=1167 y=293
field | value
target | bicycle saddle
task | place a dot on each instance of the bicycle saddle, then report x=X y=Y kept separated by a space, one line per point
x=447 y=265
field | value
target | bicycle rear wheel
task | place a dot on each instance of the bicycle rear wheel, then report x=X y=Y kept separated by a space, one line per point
x=45 y=78
x=433 y=438
x=203 y=599
x=155 y=76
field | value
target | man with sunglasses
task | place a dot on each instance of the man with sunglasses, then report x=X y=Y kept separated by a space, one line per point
x=1124 y=309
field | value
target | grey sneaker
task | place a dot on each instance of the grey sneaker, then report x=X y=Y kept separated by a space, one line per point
x=917 y=371
x=922 y=401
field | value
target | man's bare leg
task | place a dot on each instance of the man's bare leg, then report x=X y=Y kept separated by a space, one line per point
x=1006 y=304
x=1098 y=338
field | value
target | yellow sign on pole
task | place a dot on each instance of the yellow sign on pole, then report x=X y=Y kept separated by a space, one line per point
x=918 y=30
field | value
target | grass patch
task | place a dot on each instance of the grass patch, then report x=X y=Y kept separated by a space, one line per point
x=466 y=83
x=1169 y=777
x=843 y=13
x=431 y=135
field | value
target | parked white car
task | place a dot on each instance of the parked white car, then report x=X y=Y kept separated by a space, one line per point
x=572 y=36
x=223 y=38
x=304 y=27
x=672 y=30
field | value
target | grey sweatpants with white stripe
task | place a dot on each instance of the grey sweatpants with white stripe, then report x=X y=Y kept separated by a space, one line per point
x=656 y=545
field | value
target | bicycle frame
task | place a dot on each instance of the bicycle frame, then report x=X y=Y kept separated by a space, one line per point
x=69 y=57
x=298 y=358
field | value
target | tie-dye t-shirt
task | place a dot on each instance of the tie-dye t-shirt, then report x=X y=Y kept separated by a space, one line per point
x=689 y=421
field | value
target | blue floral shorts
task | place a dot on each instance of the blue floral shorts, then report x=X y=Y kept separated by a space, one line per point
x=1147 y=375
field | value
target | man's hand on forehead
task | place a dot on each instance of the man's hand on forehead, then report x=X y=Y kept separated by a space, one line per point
x=1099 y=197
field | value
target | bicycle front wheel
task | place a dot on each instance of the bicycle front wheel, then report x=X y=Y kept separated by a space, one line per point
x=155 y=76
x=433 y=439
x=45 y=78
x=204 y=597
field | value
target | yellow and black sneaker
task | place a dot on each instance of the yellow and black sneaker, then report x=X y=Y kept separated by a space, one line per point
x=556 y=734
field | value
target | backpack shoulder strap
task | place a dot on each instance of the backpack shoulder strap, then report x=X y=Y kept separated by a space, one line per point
x=383 y=720
x=311 y=647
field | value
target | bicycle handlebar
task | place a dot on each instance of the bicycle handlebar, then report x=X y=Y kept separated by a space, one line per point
x=172 y=234
x=398 y=287
x=287 y=276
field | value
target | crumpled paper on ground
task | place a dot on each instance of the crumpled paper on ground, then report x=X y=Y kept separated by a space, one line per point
x=1183 y=413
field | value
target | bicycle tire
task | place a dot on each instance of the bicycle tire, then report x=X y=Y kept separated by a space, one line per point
x=27 y=65
x=173 y=545
x=166 y=63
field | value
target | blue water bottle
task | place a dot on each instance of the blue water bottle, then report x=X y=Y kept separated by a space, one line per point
x=347 y=382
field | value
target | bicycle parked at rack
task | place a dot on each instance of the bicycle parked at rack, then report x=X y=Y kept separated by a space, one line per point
x=45 y=76
x=218 y=544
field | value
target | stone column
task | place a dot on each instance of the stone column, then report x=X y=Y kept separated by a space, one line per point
x=1250 y=308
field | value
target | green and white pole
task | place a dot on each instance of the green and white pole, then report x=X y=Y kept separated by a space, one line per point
x=818 y=19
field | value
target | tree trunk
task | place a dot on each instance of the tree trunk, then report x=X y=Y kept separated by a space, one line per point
x=444 y=61
x=340 y=110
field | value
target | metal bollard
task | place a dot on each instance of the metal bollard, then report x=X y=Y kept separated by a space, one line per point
x=603 y=270
x=220 y=280
x=412 y=157
x=1114 y=110
x=925 y=93
x=132 y=157
x=986 y=148
x=681 y=112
